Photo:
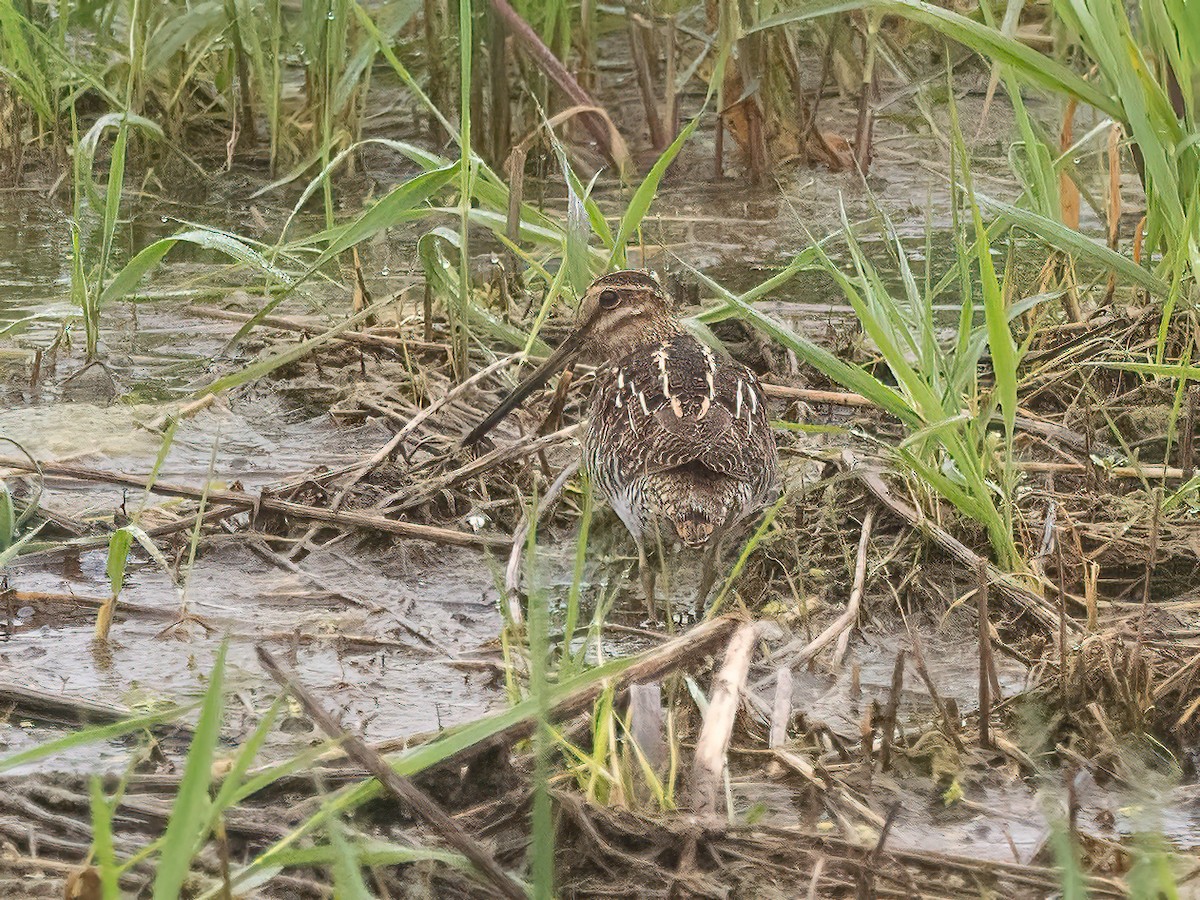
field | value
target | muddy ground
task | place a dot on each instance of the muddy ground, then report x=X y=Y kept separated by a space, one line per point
x=400 y=637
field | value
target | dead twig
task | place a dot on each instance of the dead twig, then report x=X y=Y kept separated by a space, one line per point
x=1005 y=584
x=390 y=448
x=713 y=743
x=242 y=500
x=398 y=785
x=412 y=496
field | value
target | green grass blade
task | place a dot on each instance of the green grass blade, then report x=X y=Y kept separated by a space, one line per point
x=265 y=366
x=92 y=735
x=979 y=37
x=104 y=853
x=233 y=781
x=1158 y=370
x=188 y=825
x=118 y=555
x=398 y=205
x=850 y=377
x=112 y=198
x=373 y=853
x=1071 y=241
x=127 y=279
x=348 y=882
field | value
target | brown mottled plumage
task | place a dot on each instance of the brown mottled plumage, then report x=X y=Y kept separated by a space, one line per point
x=677 y=431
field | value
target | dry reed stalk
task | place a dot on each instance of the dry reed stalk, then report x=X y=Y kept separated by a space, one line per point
x=104 y=617
x=817 y=872
x=646 y=724
x=781 y=709
x=244 y=500
x=1139 y=647
x=834 y=398
x=865 y=126
x=708 y=766
x=671 y=100
x=856 y=593
x=1168 y=473
x=1091 y=580
x=401 y=787
x=23 y=700
x=77 y=545
x=641 y=67
x=183 y=411
x=600 y=125
x=985 y=658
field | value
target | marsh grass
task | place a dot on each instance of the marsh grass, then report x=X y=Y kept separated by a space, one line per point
x=926 y=375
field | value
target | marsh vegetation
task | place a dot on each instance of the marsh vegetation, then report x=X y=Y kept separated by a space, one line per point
x=270 y=631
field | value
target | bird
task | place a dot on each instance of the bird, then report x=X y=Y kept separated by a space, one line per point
x=678 y=440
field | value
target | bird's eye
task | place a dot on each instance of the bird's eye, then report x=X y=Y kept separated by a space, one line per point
x=609 y=299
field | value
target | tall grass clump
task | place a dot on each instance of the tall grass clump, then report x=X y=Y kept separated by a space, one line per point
x=1141 y=63
x=219 y=68
x=927 y=378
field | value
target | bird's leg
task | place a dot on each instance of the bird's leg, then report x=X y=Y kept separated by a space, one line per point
x=646 y=571
x=708 y=570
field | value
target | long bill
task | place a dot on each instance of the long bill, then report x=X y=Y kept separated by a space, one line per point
x=554 y=364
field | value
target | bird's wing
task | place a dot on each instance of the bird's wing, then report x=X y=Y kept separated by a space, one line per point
x=679 y=403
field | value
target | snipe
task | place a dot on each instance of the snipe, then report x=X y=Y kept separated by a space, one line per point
x=676 y=431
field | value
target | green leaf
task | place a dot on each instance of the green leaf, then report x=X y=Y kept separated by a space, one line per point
x=8 y=518
x=372 y=853
x=398 y=205
x=118 y=555
x=127 y=279
x=348 y=882
x=189 y=823
x=112 y=198
x=102 y=842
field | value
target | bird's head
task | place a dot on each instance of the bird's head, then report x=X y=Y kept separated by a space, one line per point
x=619 y=312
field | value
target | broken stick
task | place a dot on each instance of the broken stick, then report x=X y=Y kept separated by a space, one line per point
x=398 y=785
